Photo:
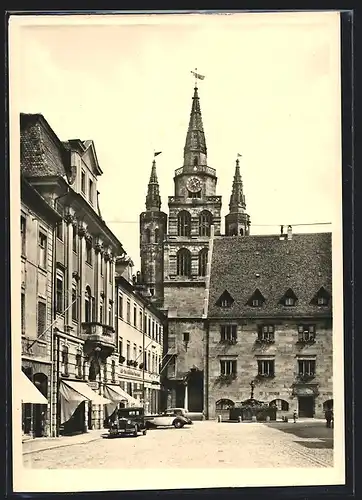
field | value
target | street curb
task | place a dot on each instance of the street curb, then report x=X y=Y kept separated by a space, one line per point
x=64 y=445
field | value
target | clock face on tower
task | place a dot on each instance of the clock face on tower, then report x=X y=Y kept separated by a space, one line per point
x=194 y=184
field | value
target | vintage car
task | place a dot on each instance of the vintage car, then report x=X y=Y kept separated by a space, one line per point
x=167 y=419
x=128 y=422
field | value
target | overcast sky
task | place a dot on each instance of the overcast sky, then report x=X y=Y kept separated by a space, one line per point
x=271 y=93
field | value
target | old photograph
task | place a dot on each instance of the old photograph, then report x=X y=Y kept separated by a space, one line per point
x=176 y=250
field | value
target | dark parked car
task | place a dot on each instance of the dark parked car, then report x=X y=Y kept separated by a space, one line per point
x=129 y=422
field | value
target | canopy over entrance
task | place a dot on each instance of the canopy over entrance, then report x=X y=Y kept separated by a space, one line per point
x=74 y=393
x=29 y=393
x=116 y=394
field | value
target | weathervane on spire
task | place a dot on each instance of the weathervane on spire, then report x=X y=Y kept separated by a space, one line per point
x=197 y=76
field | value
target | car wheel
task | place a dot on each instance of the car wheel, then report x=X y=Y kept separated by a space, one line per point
x=178 y=424
x=144 y=432
x=135 y=434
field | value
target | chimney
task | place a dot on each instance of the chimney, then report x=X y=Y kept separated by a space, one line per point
x=290 y=232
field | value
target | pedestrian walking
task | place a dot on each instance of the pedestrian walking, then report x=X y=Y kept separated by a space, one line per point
x=328 y=415
x=295 y=416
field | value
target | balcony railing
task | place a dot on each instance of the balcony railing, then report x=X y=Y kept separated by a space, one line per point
x=100 y=337
x=199 y=169
x=207 y=199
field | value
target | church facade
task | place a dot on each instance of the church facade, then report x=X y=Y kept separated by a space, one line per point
x=210 y=349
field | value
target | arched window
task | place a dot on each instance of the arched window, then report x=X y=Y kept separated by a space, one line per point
x=157 y=235
x=88 y=305
x=147 y=235
x=241 y=232
x=101 y=310
x=280 y=404
x=184 y=262
x=78 y=365
x=205 y=221
x=65 y=361
x=224 y=404
x=74 y=300
x=203 y=261
x=184 y=223
x=328 y=405
x=195 y=161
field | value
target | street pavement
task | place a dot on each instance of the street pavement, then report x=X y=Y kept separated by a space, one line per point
x=206 y=444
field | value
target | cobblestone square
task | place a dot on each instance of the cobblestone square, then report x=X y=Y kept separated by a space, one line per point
x=204 y=445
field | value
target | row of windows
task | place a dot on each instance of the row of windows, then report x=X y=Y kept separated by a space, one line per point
x=228 y=333
x=139 y=320
x=266 y=368
x=43 y=247
x=205 y=222
x=133 y=357
x=183 y=260
x=80 y=366
x=322 y=298
x=90 y=313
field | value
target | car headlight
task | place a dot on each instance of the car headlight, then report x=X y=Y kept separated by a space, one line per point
x=129 y=422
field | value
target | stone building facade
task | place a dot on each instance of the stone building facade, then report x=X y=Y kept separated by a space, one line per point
x=199 y=361
x=139 y=330
x=82 y=336
x=37 y=224
x=269 y=323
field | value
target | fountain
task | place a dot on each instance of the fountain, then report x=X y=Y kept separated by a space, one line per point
x=252 y=410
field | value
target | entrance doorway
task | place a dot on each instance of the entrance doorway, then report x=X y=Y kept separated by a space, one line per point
x=40 y=411
x=196 y=391
x=306 y=406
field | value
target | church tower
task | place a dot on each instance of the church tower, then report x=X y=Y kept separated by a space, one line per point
x=237 y=221
x=153 y=224
x=193 y=209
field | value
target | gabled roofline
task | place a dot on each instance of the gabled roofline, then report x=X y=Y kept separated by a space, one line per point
x=55 y=179
x=82 y=147
x=38 y=117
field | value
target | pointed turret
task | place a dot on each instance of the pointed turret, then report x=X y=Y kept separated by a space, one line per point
x=153 y=228
x=153 y=198
x=237 y=198
x=237 y=222
x=195 y=145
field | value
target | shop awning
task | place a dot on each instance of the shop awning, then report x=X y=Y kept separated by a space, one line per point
x=29 y=393
x=115 y=393
x=80 y=391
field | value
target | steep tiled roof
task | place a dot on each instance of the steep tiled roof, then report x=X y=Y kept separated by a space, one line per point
x=41 y=151
x=241 y=265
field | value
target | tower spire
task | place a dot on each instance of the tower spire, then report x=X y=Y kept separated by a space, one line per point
x=195 y=145
x=237 y=198
x=237 y=221
x=153 y=198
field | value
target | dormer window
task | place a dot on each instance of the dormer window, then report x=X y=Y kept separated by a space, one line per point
x=90 y=194
x=321 y=298
x=289 y=298
x=82 y=182
x=225 y=300
x=322 y=301
x=257 y=299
